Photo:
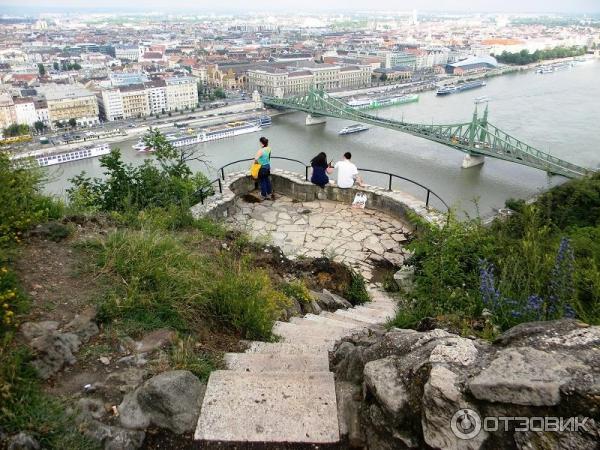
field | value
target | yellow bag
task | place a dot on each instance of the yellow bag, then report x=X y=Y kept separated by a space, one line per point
x=254 y=170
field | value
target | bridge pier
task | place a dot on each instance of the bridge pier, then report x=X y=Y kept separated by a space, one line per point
x=314 y=120
x=472 y=161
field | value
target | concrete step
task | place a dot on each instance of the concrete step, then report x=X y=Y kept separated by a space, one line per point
x=323 y=319
x=380 y=305
x=303 y=322
x=269 y=408
x=292 y=333
x=365 y=317
x=373 y=311
x=285 y=348
x=271 y=362
x=345 y=319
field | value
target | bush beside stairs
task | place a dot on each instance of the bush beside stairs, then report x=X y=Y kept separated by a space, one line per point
x=282 y=394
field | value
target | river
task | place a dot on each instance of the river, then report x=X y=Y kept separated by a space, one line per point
x=558 y=113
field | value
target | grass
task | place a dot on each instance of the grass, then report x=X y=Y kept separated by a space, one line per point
x=161 y=281
x=356 y=293
x=185 y=356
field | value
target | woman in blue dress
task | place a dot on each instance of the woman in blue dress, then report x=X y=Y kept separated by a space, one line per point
x=319 y=166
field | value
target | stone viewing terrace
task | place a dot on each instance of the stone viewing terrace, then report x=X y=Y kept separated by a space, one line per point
x=307 y=221
x=360 y=238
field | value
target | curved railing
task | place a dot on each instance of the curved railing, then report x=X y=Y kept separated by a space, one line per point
x=207 y=190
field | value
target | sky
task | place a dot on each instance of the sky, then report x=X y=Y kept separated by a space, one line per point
x=540 y=6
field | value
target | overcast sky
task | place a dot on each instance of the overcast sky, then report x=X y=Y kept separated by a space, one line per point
x=578 y=6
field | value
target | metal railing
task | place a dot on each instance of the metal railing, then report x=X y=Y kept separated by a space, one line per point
x=207 y=190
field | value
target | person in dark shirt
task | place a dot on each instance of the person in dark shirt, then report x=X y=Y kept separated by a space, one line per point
x=320 y=168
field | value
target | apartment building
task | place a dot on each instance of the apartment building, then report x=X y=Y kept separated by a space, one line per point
x=7 y=111
x=70 y=101
x=182 y=93
x=135 y=101
x=25 y=111
x=41 y=111
x=355 y=76
x=110 y=104
x=157 y=96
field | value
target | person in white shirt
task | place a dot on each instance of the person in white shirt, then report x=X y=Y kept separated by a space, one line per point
x=347 y=172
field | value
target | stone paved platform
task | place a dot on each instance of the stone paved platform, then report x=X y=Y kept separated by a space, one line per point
x=357 y=237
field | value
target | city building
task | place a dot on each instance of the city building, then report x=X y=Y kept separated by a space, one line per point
x=8 y=115
x=25 y=111
x=474 y=64
x=71 y=101
x=181 y=93
x=110 y=104
x=135 y=101
x=157 y=96
x=41 y=111
x=127 y=52
x=285 y=82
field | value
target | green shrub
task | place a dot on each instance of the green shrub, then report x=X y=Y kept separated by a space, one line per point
x=296 y=289
x=356 y=293
x=23 y=204
x=161 y=182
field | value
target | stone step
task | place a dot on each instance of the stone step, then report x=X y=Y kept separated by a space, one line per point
x=271 y=362
x=292 y=333
x=373 y=311
x=345 y=319
x=303 y=322
x=365 y=317
x=269 y=408
x=323 y=319
x=285 y=348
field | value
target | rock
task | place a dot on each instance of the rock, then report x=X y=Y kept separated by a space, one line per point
x=347 y=395
x=169 y=400
x=91 y=407
x=155 y=340
x=110 y=437
x=138 y=360
x=454 y=351
x=32 y=330
x=404 y=278
x=119 y=383
x=311 y=307
x=104 y=360
x=524 y=376
x=441 y=400
x=83 y=325
x=53 y=350
x=381 y=379
x=294 y=310
x=330 y=301
x=22 y=441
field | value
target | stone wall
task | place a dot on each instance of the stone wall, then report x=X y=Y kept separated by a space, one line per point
x=395 y=203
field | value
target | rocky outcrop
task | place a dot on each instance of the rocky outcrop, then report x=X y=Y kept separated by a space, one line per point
x=22 y=441
x=169 y=400
x=433 y=389
x=54 y=348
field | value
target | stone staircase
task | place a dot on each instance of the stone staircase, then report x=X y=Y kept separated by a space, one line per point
x=282 y=395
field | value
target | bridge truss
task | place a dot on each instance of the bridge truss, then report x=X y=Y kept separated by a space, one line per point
x=478 y=137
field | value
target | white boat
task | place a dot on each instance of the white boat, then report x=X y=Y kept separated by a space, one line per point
x=217 y=132
x=141 y=147
x=45 y=158
x=356 y=128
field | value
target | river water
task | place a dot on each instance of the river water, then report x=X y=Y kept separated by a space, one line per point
x=558 y=113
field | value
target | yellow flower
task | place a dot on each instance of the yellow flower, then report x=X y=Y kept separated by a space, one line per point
x=5 y=306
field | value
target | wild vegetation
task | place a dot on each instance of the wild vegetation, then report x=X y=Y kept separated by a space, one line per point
x=541 y=263
x=158 y=266
x=525 y=57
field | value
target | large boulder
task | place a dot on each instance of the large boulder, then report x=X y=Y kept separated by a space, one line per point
x=170 y=400
x=434 y=389
x=52 y=351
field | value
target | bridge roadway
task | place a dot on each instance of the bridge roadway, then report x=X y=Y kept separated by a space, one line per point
x=477 y=138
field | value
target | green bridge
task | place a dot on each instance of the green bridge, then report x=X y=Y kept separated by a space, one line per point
x=477 y=138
